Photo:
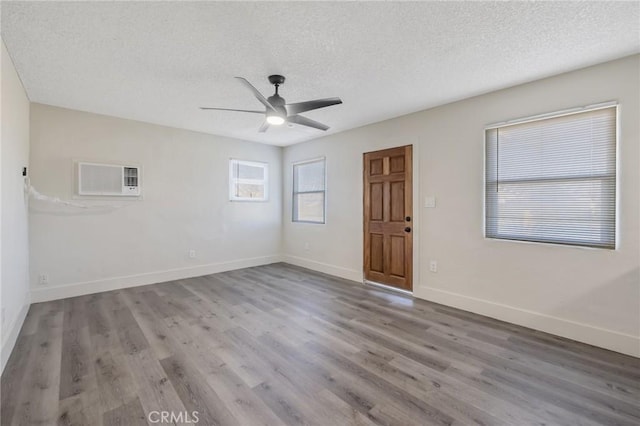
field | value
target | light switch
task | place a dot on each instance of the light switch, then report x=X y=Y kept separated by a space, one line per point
x=429 y=202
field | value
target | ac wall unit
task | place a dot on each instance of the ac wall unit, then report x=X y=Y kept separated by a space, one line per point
x=108 y=179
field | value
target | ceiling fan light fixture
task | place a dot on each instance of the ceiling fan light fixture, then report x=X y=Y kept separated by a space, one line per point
x=275 y=120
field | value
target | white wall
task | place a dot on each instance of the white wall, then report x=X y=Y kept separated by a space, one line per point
x=185 y=205
x=585 y=294
x=14 y=154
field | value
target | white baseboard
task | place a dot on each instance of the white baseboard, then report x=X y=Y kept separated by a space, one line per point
x=47 y=293
x=338 y=271
x=9 y=340
x=608 y=339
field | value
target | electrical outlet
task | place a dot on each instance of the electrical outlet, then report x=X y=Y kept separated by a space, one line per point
x=433 y=266
x=192 y=254
x=306 y=246
x=43 y=279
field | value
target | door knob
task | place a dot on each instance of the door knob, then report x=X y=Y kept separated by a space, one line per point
x=407 y=229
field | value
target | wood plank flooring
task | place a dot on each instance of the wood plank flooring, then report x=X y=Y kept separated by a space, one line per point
x=281 y=345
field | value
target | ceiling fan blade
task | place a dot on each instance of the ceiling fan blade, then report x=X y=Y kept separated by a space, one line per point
x=304 y=121
x=264 y=127
x=309 y=105
x=256 y=93
x=237 y=110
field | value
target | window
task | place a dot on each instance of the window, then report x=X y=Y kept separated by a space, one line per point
x=309 y=191
x=248 y=180
x=553 y=179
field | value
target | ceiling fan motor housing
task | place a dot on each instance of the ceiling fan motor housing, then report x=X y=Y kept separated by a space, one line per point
x=278 y=104
x=276 y=101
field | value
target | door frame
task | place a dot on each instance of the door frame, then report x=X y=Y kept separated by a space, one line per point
x=415 y=218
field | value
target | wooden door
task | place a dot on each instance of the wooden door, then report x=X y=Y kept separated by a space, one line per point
x=388 y=220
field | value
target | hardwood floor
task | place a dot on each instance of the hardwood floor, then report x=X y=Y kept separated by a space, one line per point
x=278 y=344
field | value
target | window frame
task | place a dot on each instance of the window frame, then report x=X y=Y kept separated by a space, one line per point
x=294 y=218
x=542 y=117
x=233 y=182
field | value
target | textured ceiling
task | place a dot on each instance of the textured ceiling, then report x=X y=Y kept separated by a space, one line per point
x=159 y=61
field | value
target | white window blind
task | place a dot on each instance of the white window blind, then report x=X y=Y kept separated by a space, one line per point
x=553 y=180
x=309 y=191
x=248 y=180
